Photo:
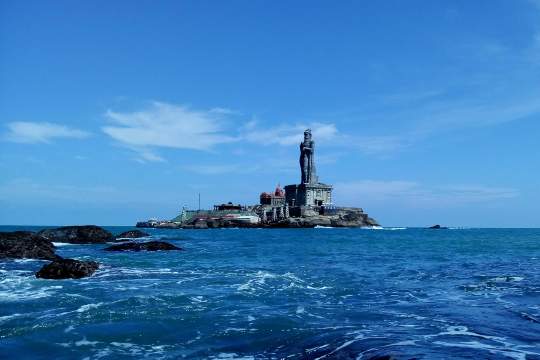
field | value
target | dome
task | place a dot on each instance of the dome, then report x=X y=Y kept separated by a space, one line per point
x=279 y=191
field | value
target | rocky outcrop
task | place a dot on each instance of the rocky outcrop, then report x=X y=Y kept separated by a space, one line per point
x=437 y=227
x=67 y=269
x=132 y=234
x=342 y=217
x=143 y=246
x=345 y=218
x=25 y=245
x=86 y=234
x=352 y=218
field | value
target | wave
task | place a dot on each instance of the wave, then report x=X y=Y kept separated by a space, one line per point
x=262 y=282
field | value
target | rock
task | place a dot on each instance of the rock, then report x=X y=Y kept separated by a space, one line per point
x=67 y=269
x=353 y=218
x=214 y=223
x=132 y=234
x=87 y=234
x=437 y=227
x=26 y=245
x=143 y=246
x=200 y=224
x=318 y=221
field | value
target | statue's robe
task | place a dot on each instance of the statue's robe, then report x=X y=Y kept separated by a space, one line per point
x=307 y=149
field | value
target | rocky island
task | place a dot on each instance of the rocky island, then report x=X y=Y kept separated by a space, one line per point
x=304 y=205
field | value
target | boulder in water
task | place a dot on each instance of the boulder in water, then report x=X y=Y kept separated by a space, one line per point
x=437 y=227
x=132 y=234
x=25 y=245
x=86 y=234
x=143 y=246
x=67 y=269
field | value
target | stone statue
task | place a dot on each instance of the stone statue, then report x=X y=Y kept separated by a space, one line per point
x=307 y=162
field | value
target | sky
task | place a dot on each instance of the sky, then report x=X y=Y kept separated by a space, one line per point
x=423 y=112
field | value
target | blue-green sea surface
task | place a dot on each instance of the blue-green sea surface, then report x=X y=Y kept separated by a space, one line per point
x=285 y=293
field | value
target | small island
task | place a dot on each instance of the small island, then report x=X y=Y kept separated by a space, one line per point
x=305 y=205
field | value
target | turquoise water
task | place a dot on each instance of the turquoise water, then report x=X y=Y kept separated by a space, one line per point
x=277 y=293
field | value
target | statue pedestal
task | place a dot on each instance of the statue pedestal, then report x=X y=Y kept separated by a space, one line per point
x=308 y=194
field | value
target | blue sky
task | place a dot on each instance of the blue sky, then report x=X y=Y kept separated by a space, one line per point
x=423 y=111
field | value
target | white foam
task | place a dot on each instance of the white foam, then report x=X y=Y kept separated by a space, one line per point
x=506 y=279
x=234 y=356
x=463 y=331
x=323 y=227
x=58 y=244
x=85 y=342
x=9 y=317
x=198 y=299
x=70 y=328
x=22 y=288
x=317 y=348
x=22 y=261
x=513 y=353
x=87 y=307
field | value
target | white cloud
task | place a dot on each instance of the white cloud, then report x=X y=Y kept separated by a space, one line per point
x=166 y=125
x=418 y=195
x=289 y=134
x=41 y=132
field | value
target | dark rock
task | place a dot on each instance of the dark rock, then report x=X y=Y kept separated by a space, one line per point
x=200 y=224
x=86 y=234
x=437 y=227
x=67 y=269
x=143 y=246
x=26 y=245
x=167 y=225
x=132 y=234
x=214 y=223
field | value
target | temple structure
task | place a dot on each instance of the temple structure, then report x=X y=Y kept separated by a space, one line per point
x=276 y=198
x=310 y=192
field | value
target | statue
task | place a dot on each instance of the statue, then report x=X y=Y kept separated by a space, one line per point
x=307 y=163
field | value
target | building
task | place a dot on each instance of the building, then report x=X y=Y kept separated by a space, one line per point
x=277 y=198
x=228 y=207
x=310 y=192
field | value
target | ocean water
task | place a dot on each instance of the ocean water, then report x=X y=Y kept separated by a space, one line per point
x=285 y=293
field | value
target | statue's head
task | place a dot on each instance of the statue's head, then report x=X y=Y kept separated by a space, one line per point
x=307 y=134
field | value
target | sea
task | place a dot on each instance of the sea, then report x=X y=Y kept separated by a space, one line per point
x=322 y=293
